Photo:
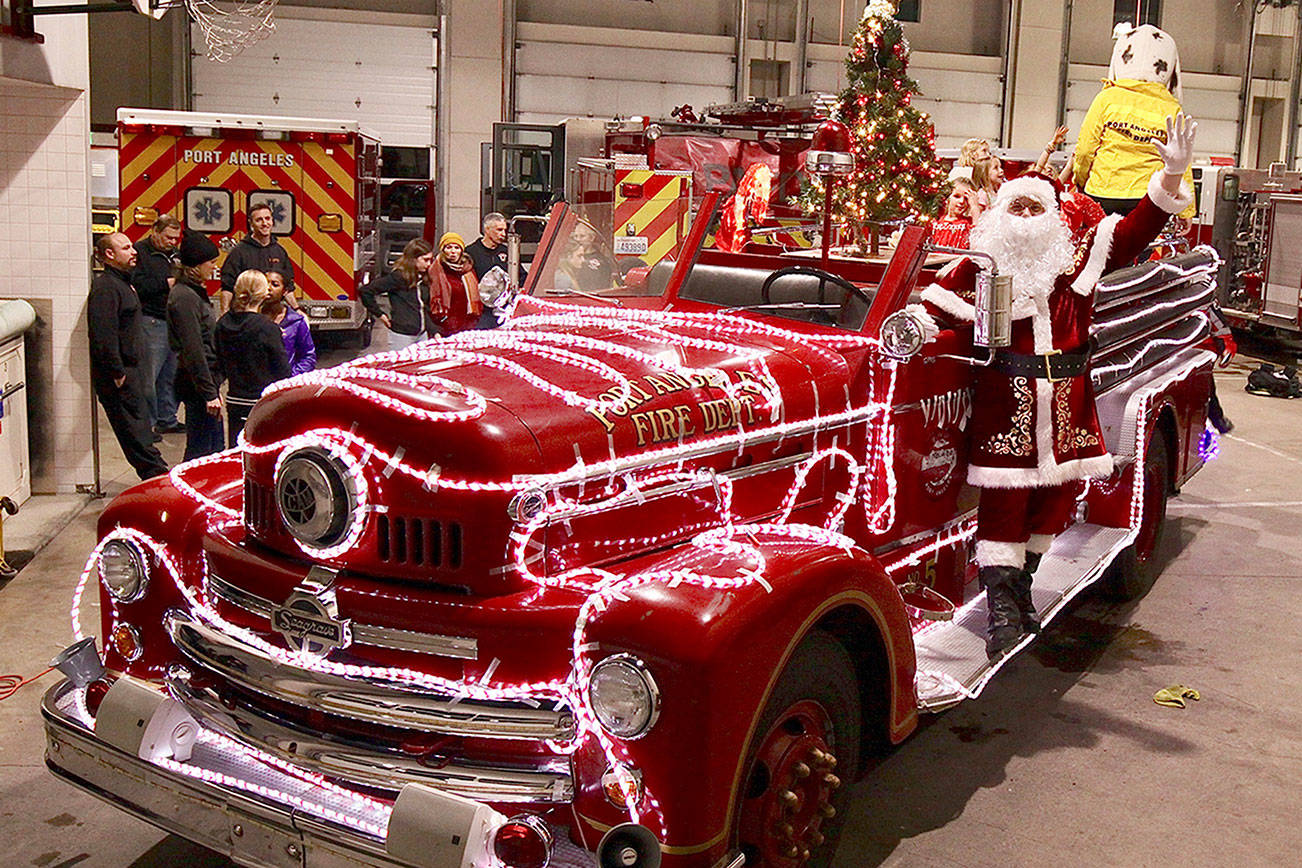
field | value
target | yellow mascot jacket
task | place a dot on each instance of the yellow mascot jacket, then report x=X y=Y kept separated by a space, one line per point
x=1114 y=157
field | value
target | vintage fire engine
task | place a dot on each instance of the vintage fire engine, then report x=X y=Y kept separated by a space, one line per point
x=320 y=177
x=639 y=578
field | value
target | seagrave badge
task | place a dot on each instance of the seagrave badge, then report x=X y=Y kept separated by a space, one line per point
x=309 y=619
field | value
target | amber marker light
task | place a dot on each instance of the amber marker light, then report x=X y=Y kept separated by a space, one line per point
x=126 y=641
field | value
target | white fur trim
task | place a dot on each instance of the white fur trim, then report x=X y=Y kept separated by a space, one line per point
x=1039 y=543
x=1034 y=477
x=1025 y=185
x=949 y=301
x=990 y=553
x=1097 y=260
x=1042 y=325
x=1164 y=200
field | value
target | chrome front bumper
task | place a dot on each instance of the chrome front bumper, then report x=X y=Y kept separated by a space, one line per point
x=269 y=819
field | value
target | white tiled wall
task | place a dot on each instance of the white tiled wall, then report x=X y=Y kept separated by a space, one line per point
x=45 y=248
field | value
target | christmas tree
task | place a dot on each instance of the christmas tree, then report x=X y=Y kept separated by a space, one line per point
x=896 y=174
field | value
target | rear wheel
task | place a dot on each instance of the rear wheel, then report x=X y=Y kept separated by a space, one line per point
x=793 y=800
x=1135 y=570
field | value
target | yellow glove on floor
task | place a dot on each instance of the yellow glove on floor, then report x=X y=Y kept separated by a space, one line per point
x=1175 y=695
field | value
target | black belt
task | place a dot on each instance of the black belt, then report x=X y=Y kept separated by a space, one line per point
x=1050 y=366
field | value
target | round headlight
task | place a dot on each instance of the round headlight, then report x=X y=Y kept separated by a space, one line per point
x=624 y=696
x=902 y=335
x=122 y=570
x=315 y=496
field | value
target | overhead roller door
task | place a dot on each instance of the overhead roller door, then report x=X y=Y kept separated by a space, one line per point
x=381 y=75
x=557 y=80
x=962 y=103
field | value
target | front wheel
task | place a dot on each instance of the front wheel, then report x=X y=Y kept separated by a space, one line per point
x=1133 y=573
x=808 y=739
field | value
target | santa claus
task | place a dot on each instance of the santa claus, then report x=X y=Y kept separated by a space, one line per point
x=1034 y=426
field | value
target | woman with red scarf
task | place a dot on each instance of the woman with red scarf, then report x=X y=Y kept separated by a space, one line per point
x=454 y=292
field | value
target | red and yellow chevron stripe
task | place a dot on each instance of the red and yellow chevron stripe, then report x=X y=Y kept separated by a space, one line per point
x=656 y=205
x=157 y=168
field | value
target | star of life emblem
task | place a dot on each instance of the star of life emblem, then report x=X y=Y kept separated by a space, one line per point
x=309 y=618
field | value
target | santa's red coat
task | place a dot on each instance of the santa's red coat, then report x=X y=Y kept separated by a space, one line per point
x=1030 y=432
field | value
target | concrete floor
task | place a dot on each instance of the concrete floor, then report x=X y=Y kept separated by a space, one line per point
x=1065 y=759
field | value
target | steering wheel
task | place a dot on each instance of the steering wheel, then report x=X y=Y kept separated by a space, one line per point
x=824 y=278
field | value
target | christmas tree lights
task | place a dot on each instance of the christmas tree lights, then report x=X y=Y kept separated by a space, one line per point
x=896 y=175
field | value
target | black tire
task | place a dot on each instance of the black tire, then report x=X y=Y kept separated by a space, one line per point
x=1136 y=569
x=819 y=675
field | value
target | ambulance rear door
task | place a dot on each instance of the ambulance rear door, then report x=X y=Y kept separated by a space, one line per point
x=327 y=228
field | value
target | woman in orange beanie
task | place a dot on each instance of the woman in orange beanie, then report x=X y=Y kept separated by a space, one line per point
x=454 y=292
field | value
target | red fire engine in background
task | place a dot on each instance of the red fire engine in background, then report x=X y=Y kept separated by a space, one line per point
x=320 y=177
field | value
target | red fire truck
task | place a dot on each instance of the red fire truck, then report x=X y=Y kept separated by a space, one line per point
x=1253 y=217
x=642 y=574
x=320 y=177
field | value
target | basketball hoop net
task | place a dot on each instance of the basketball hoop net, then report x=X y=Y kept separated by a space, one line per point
x=232 y=27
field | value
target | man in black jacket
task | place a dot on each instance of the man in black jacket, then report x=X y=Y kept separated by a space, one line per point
x=152 y=279
x=258 y=251
x=116 y=351
x=490 y=249
x=191 y=328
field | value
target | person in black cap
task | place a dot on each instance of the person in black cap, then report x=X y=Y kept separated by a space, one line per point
x=117 y=349
x=191 y=330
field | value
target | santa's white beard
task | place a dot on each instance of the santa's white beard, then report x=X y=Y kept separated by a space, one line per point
x=1034 y=250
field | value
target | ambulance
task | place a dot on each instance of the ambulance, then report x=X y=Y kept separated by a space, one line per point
x=320 y=177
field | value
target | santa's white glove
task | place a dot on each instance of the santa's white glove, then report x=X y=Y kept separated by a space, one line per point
x=926 y=320
x=1177 y=150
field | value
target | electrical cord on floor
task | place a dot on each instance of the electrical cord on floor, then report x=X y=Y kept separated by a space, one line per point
x=11 y=684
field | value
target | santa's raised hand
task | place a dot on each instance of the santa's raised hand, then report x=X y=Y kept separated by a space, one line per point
x=1177 y=150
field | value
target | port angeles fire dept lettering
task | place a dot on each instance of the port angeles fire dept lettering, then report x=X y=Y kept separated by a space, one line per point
x=688 y=419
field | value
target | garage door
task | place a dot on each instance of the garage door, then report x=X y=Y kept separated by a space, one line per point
x=557 y=79
x=381 y=75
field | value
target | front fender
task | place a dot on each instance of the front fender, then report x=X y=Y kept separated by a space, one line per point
x=175 y=519
x=716 y=654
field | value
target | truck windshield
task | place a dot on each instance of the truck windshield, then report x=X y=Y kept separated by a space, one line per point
x=576 y=259
x=583 y=254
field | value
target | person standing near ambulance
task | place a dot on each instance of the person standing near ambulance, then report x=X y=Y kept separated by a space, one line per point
x=191 y=327
x=116 y=351
x=152 y=279
x=259 y=251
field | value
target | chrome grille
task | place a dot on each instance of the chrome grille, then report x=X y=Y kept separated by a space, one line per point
x=259 y=508
x=543 y=781
x=373 y=701
x=421 y=542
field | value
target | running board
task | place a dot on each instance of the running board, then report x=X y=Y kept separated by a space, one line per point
x=952 y=664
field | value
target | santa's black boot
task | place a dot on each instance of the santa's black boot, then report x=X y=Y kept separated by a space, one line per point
x=1022 y=593
x=1005 y=619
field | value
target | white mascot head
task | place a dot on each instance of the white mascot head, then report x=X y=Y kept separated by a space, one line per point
x=1146 y=53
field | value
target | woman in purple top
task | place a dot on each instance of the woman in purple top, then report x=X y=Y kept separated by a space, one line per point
x=293 y=326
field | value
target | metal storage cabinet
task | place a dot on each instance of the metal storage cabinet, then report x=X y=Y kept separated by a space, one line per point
x=15 y=467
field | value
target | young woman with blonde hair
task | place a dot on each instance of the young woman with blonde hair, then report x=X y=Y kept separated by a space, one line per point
x=250 y=350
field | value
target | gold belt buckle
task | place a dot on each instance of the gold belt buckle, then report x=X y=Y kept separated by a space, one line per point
x=1048 y=368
